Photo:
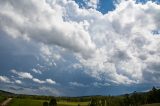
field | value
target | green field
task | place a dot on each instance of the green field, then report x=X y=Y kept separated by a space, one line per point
x=30 y=102
x=72 y=103
x=26 y=102
x=154 y=104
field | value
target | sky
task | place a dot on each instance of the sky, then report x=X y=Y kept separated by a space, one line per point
x=79 y=47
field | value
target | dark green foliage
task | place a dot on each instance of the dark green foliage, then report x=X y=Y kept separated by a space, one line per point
x=93 y=102
x=134 y=99
x=53 y=102
x=154 y=96
x=45 y=103
x=103 y=102
x=137 y=99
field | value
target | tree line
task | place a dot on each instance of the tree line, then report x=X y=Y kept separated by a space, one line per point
x=133 y=99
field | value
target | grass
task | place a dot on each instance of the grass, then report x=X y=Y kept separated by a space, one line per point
x=2 y=98
x=30 y=102
x=26 y=102
x=154 y=104
x=72 y=103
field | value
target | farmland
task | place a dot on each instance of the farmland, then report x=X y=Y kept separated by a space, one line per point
x=30 y=102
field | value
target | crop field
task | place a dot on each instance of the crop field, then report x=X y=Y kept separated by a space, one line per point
x=154 y=104
x=30 y=102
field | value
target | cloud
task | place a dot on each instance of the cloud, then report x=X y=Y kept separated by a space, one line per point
x=18 y=81
x=92 y=3
x=152 y=72
x=76 y=84
x=36 y=71
x=50 y=91
x=38 y=81
x=50 y=55
x=24 y=75
x=118 y=47
x=97 y=84
x=46 y=27
x=50 y=81
x=124 y=43
x=5 y=79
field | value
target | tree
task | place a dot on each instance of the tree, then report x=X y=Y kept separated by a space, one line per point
x=53 y=102
x=103 y=102
x=45 y=103
x=93 y=102
x=126 y=100
x=136 y=99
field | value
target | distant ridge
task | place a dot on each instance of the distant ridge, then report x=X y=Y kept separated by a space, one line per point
x=6 y=93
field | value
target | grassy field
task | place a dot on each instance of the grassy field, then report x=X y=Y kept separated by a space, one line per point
x=2 y=99
x=155 y=104
x=26 y=102
x=72 y=103
x=29 y=102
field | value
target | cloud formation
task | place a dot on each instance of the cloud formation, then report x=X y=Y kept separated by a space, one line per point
x=18 y=81
x=50 y=81
x=92 y=3
x=26 y=75
x=116 y=48
x=47 y=27
x=76 y=84
x=5 y=79
x=22 y=75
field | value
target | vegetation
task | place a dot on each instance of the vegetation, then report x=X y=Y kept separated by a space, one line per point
x=52 y=102
x=151 y=98
x=154 y=104
x=2 y=98
x=134 y=99
x=30 y=102
x=63 y=103
x=26 y=102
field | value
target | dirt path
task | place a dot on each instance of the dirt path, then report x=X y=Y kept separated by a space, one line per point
x=6 y=102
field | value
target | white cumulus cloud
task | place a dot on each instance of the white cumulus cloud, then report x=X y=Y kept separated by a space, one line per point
x=26 y=75
x=22 y=74
x=4 y=79
x=50 y=81
x=18 y=81
x=118 y=47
